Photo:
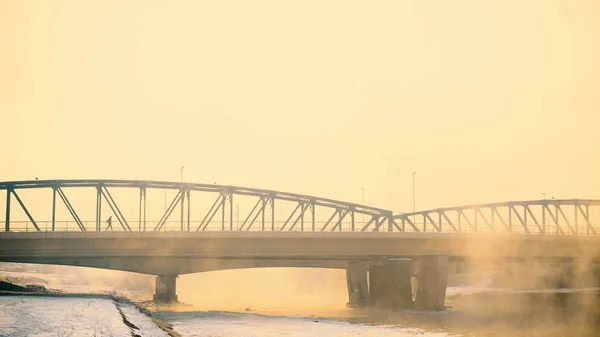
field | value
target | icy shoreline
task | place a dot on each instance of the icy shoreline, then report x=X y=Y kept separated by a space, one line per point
x=76 y=314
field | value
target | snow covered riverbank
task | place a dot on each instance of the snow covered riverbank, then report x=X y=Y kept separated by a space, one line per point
x=42 y=316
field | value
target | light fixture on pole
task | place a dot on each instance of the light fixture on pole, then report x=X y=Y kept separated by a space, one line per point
x=182 y=174
x=414 y=199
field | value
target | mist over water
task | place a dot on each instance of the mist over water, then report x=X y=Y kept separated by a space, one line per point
x=265 y=289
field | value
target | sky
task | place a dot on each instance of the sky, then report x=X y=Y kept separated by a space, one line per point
x=486 y=100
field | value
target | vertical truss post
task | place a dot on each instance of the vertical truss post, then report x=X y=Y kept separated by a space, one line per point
x=98 y=207
x=509 y=219
x=424 y=223
x=312 y=206
x=7 y=223
x=53 y=207
x=557 y=219
x=272 y=213
x=544 y=218
x=576 y=222
x=493 y=222
x=459 y=222
x=140 y=213
x=182 y=208
x=440 y=222
x=352 y=218
x=587 y=218
x=476 y=215
x=189 y=210
x=223 y=199
x=302 y=219
x=264 y=205
x=230 y=211
x=144 y=212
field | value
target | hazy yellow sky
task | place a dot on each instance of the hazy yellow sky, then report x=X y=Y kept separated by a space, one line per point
x=485 y=100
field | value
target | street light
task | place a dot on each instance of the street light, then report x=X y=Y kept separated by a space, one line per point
x=414 y=199
x=182 y=174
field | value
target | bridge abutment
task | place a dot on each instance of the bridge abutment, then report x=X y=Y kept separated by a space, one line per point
x=432 y=282
x=166 y=289
x=390 y=284
x=358 y=286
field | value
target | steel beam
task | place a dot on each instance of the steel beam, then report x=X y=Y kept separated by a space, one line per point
x=211 y=212
x=98 y=208
x=25 y=210
x=342 y=214
x=115 y=208
x=523 y=223
x=53 y=208
x=189 y=212
x=537 y=224
x=442 y=213
x=168 y=212
x=7 y=223
x=71 y=210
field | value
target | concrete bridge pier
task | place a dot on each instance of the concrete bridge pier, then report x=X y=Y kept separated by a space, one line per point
x=166 y=289
x=358 y=286
x=390 y=284
x=432 y=282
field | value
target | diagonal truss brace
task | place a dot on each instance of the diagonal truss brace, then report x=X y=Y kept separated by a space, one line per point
x=63 y=196
x=262 y=202
x=521 y=220
x=587 y=219
x=554 y=218
x=342 y=214
x=168 y=211
x=303 y=207
x=25 y=209
x=115 y=208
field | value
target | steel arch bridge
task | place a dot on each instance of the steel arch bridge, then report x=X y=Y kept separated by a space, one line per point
x=297 y=212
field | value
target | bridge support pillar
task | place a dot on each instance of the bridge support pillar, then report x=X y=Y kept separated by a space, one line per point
x=433 y=279
x=166 y=289
x=390 y=285
x=358 y=286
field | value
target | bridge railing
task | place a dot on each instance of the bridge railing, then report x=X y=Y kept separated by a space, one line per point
x=169 y=226
x=172 y=226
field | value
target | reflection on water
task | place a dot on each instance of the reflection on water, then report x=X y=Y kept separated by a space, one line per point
x=481 y=315
x=219 y=323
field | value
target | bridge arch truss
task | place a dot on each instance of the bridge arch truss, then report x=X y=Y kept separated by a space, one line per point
x=560 y=217
x=264 y=215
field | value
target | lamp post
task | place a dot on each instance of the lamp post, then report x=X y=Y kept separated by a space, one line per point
x=182 y=174
x=414 y=199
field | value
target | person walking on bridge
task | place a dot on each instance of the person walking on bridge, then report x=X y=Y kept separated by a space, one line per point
x=109 y=222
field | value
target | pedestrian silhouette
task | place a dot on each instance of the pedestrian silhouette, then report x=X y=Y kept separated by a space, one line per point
x=109 y=222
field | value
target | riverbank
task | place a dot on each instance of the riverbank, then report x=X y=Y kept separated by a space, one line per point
x=40 y=299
